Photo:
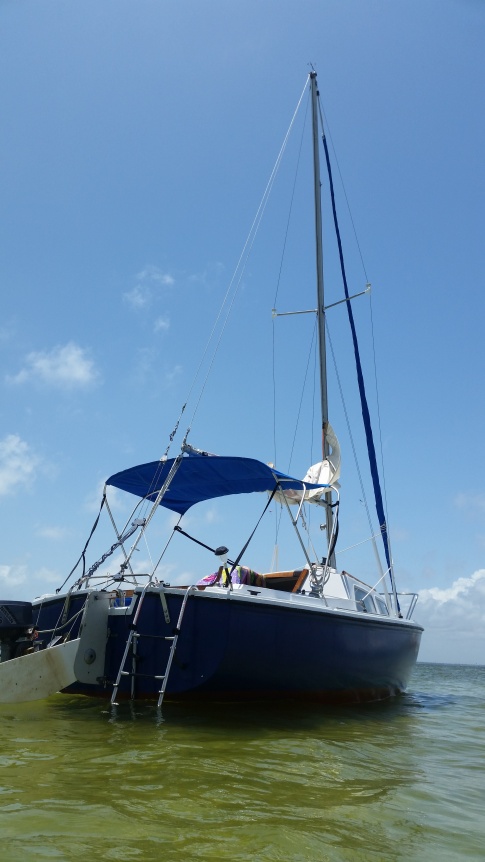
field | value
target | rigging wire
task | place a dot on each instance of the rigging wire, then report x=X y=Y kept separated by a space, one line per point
x=283 y=252
x=326 y=126
x=349 y=430
x=364 y=403
x=148 y=549
x=239 y=270
x=310 y=352
x=312 y=424
x=278 y=512
x=323 y=116
x=227 y=302
x=378 y=408
x=298 y=415
x=164 y=550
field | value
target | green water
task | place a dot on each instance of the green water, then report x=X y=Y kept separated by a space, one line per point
x=401 y=780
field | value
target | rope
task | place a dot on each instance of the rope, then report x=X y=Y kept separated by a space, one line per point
x=243 y=551
x=83 y=553
x=63 y=626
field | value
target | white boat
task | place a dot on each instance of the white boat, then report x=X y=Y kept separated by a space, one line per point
x=311 y=632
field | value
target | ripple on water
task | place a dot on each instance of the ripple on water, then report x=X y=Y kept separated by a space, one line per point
x=397 y=780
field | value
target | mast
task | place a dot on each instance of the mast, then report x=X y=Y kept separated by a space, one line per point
x=320 y=296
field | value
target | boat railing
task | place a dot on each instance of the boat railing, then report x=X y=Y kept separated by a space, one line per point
x=86 y=581
x=407 y=603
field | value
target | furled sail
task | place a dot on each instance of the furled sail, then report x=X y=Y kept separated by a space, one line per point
x=326 y=472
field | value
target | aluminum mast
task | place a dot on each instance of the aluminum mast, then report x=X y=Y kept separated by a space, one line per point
x=320 y=296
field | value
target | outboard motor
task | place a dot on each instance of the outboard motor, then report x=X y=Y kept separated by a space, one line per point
x=16 y=632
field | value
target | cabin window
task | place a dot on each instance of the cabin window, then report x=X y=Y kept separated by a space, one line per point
x=364 y=602
x=382 y=606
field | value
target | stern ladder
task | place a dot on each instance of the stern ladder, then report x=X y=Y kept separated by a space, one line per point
x=132 y=641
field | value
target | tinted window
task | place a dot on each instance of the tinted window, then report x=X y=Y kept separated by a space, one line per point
x=382 y=606
x=364 y=602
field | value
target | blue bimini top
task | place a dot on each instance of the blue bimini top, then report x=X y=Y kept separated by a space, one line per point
x=203 y=477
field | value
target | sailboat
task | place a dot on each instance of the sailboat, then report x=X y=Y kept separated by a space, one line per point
x=312 y=632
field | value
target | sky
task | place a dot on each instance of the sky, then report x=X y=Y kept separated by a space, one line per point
x=137 y=140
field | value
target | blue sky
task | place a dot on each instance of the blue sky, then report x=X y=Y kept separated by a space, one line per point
x=137 y=140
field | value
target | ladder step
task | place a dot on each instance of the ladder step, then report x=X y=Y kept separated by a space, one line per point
x=173 y=638
x=131 y=641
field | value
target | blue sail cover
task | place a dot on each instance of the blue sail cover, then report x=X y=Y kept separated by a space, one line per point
x=203 y=477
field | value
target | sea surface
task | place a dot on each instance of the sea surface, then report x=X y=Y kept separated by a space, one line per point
x=398 y=780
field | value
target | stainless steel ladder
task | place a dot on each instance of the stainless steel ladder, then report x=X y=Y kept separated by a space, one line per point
x=174 y=639
x=132 y=641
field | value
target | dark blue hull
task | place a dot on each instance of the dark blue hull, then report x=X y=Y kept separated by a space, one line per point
x=239 y=648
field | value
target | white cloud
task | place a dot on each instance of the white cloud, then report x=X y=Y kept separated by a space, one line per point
x=208 y=277
x=17 y=463
x=155 y=275
x=161 y=324
x=138 y=297
x=454 y=621
x=67 y=367
x=12 y=576
x=460 y=590
x=148 y=280
x=54 y=533
x=115 y=498
x=47 y=576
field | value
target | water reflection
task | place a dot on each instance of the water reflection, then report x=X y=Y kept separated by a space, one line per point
x=269 y=781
